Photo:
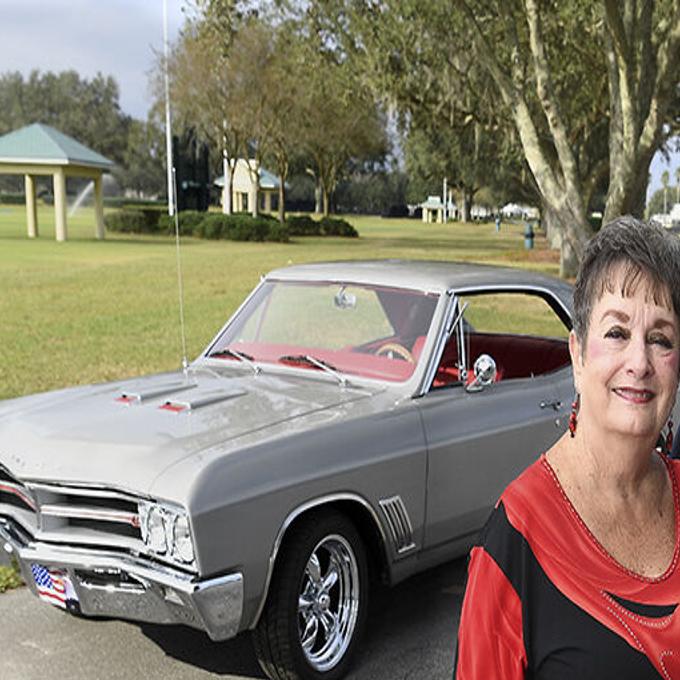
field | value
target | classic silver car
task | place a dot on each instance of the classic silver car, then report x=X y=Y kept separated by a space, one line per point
x=352 y=421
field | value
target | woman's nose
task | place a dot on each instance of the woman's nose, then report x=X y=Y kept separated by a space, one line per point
x=638 y=360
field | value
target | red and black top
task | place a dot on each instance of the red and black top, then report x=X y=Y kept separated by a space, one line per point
x=545 y=600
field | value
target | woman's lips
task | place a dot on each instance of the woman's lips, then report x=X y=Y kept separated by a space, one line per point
x=634 y=395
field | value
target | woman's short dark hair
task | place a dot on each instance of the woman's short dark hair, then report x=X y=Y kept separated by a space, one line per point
x=647 y=251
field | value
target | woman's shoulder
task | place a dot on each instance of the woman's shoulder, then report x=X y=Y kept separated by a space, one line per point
x=531 y=489
x=531 y=503
x=517 y=500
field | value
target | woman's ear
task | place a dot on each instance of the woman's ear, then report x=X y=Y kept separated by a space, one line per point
x=576 y=352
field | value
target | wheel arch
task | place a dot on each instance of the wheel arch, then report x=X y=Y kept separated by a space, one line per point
x=359 y=511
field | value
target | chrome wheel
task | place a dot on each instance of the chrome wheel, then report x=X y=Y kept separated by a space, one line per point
x=318 y=599
x=328 y=603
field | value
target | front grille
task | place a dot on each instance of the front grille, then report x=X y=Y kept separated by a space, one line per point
x=17 y=501
x=85 y=516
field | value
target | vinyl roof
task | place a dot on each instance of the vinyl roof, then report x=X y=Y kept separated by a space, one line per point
x=427 y=275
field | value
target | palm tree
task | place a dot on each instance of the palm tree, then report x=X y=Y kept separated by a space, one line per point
x=665 y=179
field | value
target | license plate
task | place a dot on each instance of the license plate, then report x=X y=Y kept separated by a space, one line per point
x=54 y=586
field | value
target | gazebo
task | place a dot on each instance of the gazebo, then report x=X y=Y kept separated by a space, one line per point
x=39 y=149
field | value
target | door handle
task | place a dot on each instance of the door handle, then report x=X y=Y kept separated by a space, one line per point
x=554 y=405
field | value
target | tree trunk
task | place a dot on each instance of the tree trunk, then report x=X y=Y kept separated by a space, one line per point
x=326 y=201
x=282 y=199
x=551 y=226
x=228 y=189
x=317 y=197
x=466 y=204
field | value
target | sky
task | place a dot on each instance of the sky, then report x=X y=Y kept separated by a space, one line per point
x=118 y=38
x=114 y=37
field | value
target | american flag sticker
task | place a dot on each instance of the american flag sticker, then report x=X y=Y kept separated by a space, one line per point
x=54 y=586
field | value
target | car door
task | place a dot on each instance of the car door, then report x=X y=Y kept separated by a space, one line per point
x=478 y=441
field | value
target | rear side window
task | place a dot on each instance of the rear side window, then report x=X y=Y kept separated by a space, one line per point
x=523 y=333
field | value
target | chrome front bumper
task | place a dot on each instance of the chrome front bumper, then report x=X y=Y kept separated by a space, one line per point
x=120 y=586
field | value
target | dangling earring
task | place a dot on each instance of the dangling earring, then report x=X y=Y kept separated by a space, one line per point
x=669 y=436
x=573 y=415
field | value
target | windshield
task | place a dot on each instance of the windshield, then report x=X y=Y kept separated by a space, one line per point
x=362 y=330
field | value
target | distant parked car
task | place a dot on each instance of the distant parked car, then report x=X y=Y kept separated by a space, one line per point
x=351 y=421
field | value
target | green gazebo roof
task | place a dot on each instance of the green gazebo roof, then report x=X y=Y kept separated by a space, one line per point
x=43 y=145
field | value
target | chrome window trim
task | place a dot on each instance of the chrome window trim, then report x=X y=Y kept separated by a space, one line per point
x=454 y=295
x=442 y=337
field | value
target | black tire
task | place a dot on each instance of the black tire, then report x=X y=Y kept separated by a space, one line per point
x=300 y=594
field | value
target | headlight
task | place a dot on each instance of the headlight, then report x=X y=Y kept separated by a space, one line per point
x=166 y=531
x=181 y=539
x=155 y=527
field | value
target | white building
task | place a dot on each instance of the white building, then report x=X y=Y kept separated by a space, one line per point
x=243 y=188
x=668 y=220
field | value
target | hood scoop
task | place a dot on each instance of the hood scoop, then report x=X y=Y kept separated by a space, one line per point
x=159 y=390
x=202 y=397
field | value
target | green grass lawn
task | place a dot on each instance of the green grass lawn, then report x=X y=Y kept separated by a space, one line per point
x=9 y=577
x=87 y=311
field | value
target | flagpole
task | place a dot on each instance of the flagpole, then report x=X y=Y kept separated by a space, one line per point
x=168 y=124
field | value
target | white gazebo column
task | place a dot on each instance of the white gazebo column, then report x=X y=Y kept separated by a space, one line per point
x=268 y=201
x=60 y=204
x=98 y=206
x=31 y=207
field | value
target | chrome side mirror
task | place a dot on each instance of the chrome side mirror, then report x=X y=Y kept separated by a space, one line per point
x=485 y=373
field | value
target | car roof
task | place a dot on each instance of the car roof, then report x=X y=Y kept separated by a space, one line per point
x=425 y=275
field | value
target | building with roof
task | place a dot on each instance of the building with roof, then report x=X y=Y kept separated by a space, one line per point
x=40 y=150
x=244 y=191
x=433 y=209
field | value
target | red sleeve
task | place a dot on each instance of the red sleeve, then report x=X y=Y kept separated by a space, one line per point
x=490 y=639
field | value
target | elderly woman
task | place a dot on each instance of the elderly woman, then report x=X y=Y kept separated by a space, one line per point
x=576 y=574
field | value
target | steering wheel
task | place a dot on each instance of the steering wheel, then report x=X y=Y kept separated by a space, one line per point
x=396 y=348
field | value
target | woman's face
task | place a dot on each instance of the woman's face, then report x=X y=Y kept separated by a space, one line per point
x=627 y=373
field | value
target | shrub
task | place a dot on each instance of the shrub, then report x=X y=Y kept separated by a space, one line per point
x=126 y=221
x=12 y=199
x=241 y=227
x=303 y=225
x=127 y=202
x=334 y=226
x=151 y=217
x=188 y=222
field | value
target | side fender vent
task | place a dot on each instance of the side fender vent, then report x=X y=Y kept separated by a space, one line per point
x=399 y=523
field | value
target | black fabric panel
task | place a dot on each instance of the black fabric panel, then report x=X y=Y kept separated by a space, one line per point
x=651 y=611
x=562 y=641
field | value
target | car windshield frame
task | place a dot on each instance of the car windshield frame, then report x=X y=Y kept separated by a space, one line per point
x=404 y=310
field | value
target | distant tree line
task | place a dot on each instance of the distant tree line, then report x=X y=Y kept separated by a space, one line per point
x=88 y=110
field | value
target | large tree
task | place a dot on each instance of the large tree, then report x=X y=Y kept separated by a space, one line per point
x=202 y=93
x=590 y=86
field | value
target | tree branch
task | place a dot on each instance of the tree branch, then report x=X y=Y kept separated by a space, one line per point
x=546 y=95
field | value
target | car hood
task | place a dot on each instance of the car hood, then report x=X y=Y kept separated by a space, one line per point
x=125 y=434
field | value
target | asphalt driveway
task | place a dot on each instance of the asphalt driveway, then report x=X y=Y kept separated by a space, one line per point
x=411 y=635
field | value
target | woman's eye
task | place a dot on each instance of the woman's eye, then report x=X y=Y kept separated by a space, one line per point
x=616 y=333
x=662 y=341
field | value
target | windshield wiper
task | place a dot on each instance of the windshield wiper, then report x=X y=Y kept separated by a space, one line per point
x=317 y=363
x=241 y=356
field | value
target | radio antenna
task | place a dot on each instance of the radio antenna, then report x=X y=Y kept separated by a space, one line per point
x=180 y=286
